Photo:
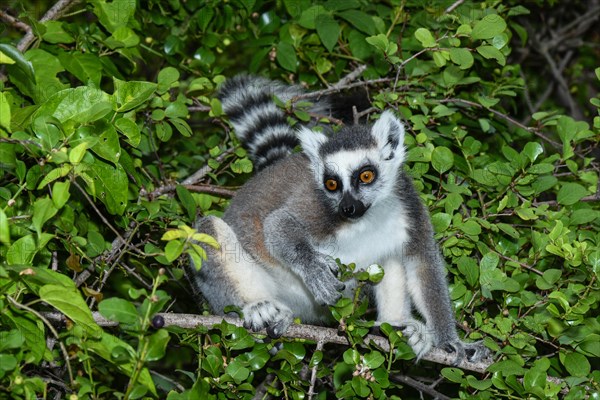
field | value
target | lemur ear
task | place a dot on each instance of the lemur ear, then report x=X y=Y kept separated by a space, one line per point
x=311 y=142
x=389 y=133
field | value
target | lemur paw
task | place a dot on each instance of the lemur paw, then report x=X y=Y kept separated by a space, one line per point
x=418 y=338
x=473 y=352
x=324 y=285
x=273 y=317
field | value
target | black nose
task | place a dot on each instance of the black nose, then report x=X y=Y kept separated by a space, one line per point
x=351 y=208
x=349 y=211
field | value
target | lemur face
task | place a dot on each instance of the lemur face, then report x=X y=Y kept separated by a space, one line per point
x=357 y=166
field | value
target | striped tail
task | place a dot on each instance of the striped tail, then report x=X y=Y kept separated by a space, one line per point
x=261 y=126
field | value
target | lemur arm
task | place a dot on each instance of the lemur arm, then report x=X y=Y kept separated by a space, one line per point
x=288 y=241
x=429 y=291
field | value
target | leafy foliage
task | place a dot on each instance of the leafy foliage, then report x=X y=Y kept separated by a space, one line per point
x=111 y=143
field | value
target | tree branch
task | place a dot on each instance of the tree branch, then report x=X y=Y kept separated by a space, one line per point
x=295 y=331
x=57 y=10
x=14 y=22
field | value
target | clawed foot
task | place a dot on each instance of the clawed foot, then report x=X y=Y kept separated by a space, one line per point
x=472 y=352
x=418 y=338
x=273 y=317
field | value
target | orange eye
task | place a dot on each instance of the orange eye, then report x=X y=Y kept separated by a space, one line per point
x=331 y=184
x=367 y=176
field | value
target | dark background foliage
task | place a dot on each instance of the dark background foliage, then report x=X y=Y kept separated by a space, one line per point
x=111 y=145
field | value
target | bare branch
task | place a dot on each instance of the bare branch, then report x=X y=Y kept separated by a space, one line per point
x=420 y=386
x=295 y=331
x=57 y=10
x=209 y=189
x=14 y=22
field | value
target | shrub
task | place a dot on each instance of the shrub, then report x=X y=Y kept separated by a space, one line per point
x=111 y=144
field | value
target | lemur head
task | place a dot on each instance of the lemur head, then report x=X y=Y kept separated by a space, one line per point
x=358 y=166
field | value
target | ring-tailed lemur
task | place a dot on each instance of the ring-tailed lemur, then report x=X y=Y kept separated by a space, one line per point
x=345 y=196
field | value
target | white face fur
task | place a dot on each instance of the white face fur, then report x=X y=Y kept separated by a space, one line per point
x=359 y=176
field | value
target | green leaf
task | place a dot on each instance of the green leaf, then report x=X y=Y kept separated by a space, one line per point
x=167 y=77
x=33 y=334
x=237 y=371
x=114 y=14
x=122 y=37
x=380 y=41
x=308 y=19
x=577 y=364
x=488 y=27
x=441 y=221
x=462 y=57
x=157 y=345
x=43 y=210
x=532 y=150
x=22 y=251
x=328 y=30
x=176 y=109
x=4 y=228
x=76 y=153
x=111 y=185
x=173 y=250
x=68 y=301
x=4 y=112
x=119 y=310
x=8 y=52
x=84 y=66
x=374 y=360
x=109 y=345
x=83 y=105
x=55 y=174
x=470 y=227
x=187 y=201
x=181 y=126
x=469 y=268
x=490 y=52
x=60 y=193
x=55 y=33
x=442 y=159
x=571 y=193
x=359 y=20
x=286 y=56
x=425 y=37
x=453 y=374
x=130 y=129
x=131 y=94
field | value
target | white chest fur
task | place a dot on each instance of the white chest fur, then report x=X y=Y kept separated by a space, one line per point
x=379 y=234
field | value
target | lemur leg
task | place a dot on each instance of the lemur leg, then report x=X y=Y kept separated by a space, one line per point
x=286 y=238
x=429 y=291
x=394 y=307
x=230 y=276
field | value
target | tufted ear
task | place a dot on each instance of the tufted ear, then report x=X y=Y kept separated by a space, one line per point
x=311 y=142
x=389 y=134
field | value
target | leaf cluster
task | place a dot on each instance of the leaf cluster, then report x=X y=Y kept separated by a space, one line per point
x=112 y=143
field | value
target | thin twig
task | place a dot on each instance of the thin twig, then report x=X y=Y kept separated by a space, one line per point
x=313 y=374
x=14 y=22
x=351 y=77
x=202 y=172
x=527 y=267
x=319 y=93
x=57 y=10
x=420 y=386
x=454 y=6
x=103 y=218
x=210 y=189
x=504 y=117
